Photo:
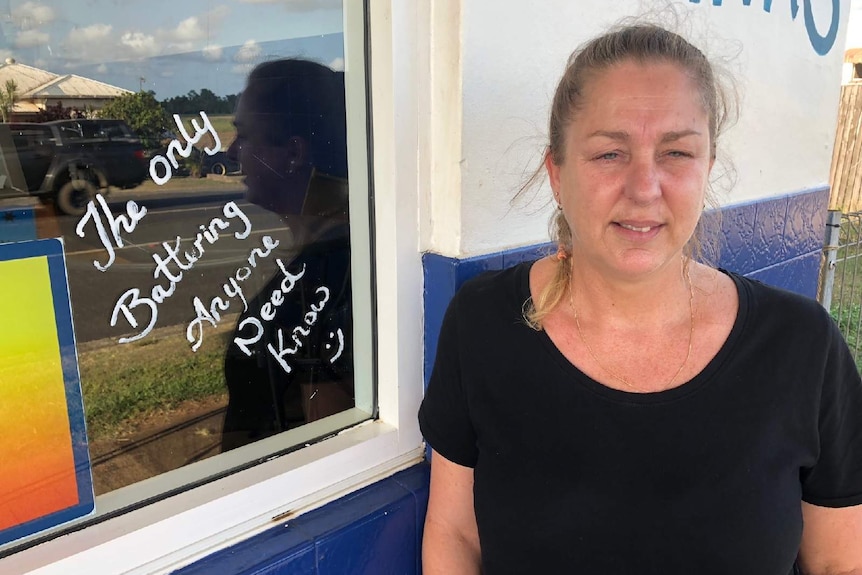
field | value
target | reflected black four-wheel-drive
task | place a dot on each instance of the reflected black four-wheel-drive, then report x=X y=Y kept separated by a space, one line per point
x=68 y=161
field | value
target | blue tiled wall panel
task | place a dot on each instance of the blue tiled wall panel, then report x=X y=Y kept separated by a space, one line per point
x=736 y=245
x=374 y=531
x=379 y=529
x=443 y=269
x=417 y=484
x=769 y=245
x=798 y=275
x=806 y=222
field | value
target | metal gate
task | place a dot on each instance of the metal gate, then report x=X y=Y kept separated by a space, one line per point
x=841 y=276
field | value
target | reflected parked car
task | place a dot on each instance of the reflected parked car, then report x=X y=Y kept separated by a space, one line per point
x=69 y=161
x=219 y=164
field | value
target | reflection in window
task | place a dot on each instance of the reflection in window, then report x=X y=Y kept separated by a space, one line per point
x=287 y=362
x=199 y=181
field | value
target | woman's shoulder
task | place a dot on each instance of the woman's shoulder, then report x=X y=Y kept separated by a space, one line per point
x=776 y=305
x=499 y=280
x=493 y=289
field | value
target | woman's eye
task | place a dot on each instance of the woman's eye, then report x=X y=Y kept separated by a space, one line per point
x=679 y=154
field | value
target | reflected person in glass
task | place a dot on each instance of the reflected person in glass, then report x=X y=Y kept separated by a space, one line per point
x=289 y=360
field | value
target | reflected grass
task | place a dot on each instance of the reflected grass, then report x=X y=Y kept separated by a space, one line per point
x=125 y=383
x=221 y=123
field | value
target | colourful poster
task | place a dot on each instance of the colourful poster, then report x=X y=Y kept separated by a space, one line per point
x=45 y=477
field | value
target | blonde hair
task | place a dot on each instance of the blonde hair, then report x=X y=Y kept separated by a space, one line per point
x=643 y=43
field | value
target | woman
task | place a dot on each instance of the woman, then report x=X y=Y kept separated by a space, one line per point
x=619 y=407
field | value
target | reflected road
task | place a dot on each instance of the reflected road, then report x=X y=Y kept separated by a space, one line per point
x=95 y=293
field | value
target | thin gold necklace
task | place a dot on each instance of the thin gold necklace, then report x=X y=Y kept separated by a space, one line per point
x=615 y=375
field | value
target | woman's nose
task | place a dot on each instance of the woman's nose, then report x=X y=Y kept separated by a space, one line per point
x=642 y=183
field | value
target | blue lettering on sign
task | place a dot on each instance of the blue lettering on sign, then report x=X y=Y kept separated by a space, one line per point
x=822 y=44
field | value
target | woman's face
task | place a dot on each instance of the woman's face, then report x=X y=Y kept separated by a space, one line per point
x=276 y=176
x=635 y=167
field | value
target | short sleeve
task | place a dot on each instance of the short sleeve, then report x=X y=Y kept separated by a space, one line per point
x=444 y=416
x=835 y=480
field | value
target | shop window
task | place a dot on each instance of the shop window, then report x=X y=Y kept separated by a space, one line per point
x=194 y=161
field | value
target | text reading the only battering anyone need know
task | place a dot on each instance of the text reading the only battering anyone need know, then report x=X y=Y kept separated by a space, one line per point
x=141 y=311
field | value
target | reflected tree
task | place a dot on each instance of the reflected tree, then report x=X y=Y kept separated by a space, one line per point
x=143 y=113
x=7 y=99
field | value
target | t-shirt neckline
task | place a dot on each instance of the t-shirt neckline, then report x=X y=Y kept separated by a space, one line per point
x=699 y=381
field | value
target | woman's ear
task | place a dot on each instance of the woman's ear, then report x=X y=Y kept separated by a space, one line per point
x=296 y=153
x=553 y=174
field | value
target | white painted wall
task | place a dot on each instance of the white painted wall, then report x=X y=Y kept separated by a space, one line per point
x=512 y=53
x=847 y=72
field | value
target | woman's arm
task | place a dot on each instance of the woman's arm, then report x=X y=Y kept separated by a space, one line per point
x=450 y=543
x=831 y=540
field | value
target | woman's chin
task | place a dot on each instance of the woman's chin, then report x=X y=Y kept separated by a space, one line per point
x=644 y=263
x=254 y=195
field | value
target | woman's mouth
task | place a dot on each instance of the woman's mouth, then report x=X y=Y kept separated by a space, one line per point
x=641 y=229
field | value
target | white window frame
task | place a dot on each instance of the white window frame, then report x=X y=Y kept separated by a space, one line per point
x=178 y=530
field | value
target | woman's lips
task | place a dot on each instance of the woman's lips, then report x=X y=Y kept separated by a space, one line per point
x=636 y=228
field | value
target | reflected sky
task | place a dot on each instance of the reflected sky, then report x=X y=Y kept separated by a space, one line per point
x=167 y=46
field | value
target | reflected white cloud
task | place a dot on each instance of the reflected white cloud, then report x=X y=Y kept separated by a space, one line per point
x=31 y=39
x=213 y=52
x=204 y=42
x=141 y=45
x=88 y=42
x=189 y=29
x=249 y=52
x=31 y=14
x=299 y=5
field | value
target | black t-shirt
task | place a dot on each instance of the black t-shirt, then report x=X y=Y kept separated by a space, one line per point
x=571 y=476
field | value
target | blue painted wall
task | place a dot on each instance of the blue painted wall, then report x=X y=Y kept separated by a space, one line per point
x=378 y=530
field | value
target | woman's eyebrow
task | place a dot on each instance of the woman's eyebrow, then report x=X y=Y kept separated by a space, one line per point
x=619 y=135
x=623 y=135
x=674 y=136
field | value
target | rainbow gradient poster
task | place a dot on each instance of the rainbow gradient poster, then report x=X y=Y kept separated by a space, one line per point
x=45 y=476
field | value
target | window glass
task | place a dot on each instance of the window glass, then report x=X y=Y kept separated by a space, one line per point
x=194 y=161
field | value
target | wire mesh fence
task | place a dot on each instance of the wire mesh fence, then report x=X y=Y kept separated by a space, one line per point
x=841 y=277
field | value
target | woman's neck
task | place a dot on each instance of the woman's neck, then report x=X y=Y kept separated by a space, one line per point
x=660 y=297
